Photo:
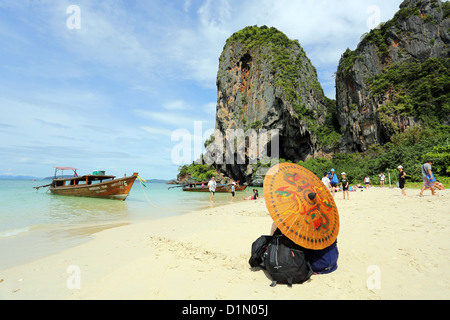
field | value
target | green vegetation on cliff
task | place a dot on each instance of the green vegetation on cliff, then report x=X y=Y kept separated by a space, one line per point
x=253 y=36
x=379 y=36
x=201 y=172
x=328 y=135
x=421 y=90
x=285 y=56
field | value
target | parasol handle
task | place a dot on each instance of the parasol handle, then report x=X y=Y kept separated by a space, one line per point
x=312 y=196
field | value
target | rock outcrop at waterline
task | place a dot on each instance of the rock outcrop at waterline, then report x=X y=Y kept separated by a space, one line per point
x=378 y=85
x=266 y=81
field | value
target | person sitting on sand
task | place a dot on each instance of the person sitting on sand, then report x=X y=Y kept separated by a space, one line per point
x=439 y=185
x=254 y=197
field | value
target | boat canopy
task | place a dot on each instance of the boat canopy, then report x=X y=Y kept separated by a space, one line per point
x=65 y=168
x=87 y=178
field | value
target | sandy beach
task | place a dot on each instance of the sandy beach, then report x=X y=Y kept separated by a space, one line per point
x=391 y=247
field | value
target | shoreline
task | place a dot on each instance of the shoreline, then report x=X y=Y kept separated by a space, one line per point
x=391 y=247
x=52 y=238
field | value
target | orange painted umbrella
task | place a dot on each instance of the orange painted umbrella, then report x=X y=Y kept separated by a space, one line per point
x=301 y=206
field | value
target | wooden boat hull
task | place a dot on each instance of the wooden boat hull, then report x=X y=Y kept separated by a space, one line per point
x=112 y=189
x=241 y=188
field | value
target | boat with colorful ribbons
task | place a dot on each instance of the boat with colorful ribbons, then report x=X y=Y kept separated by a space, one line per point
x=95 y=185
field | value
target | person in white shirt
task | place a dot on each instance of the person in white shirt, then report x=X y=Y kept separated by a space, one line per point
x=212 y=188
x=382 y=179
x=367 y=181
x=326 y=181
x=233 y=190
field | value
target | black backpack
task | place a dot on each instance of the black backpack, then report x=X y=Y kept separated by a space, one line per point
x=286 y=262
x=259 y=250
x=283 y=260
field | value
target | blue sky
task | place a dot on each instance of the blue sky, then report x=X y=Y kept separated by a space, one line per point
x=109 y=93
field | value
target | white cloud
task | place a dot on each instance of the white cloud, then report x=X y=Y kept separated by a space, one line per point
x=176 y=105
x=173 y=120
x=195 y=50
x=107 y=35
x=187 y=5
x=156 y=132
x=215 y=14
x=210 y=108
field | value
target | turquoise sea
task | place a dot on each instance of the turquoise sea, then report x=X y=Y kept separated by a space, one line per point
x=34 y=223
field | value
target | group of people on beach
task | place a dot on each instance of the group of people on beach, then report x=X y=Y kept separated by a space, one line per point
x=325 y=260
x=428 y=179
x=333 y=183
x=212 y=190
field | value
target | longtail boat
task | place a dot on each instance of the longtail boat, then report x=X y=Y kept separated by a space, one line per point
x=241 y=188
x=203 y=187
x=96 y=185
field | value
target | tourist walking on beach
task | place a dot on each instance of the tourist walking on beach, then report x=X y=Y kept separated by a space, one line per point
x=428 y=178
x=233 y=190
x=344 y=185
x=326 y=181
x=401 y=179
x=382 y=179
x=212 y=188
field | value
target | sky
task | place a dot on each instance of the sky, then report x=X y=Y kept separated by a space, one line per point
x=108 y=85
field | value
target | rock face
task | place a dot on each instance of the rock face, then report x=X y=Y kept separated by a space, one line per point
x=265 y=81
x=419 y=31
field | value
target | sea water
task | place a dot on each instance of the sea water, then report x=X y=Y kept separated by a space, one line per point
x=36 y=223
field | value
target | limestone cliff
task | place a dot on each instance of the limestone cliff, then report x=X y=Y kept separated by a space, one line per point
x=396 y=78
x=376 y=93
x=266 y=81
